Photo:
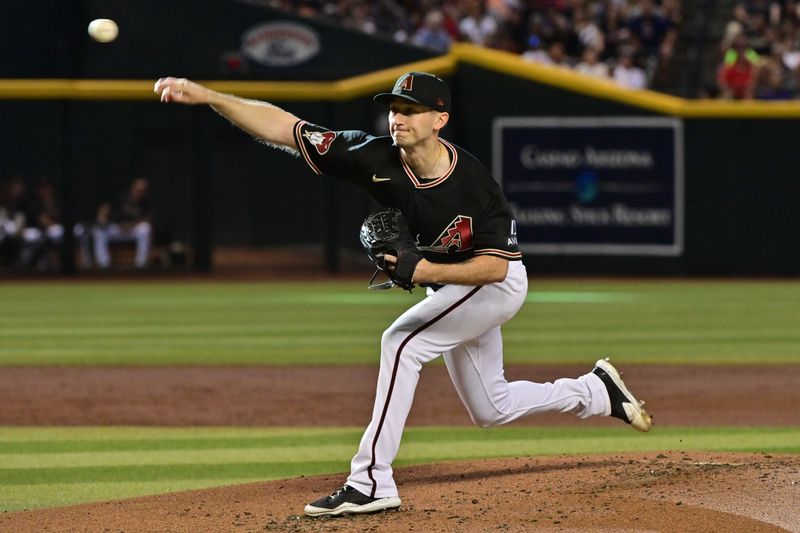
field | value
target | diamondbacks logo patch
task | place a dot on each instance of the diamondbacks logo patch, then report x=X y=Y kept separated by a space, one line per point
x=408 y=83
x=457 y=237
x=320 y=140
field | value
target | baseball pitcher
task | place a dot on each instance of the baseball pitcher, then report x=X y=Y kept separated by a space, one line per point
x=448 y=228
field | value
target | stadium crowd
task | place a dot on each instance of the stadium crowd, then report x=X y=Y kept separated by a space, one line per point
x=31 y=230
x=760 y=51
x=629 y=41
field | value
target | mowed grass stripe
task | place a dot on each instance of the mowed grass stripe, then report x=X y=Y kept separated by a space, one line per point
x=202 y=333
x=67 y=440
x=165 y=342
x=166 y=444
x=111 y=435
x=165 y=472
x=97 y=463
x=206 y=323
x=72 y=478
x=61 y=467
x=188 y=324
x=223 y=455
x=61 y=494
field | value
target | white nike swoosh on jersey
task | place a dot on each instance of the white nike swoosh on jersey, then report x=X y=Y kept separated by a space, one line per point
x=376 y=179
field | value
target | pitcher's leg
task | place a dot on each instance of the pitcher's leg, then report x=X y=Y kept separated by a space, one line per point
x=371 y=467
x=436 y=325
x=421 y=334
x=476 y=368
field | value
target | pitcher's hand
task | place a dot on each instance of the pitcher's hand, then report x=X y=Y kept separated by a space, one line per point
x=182 y=91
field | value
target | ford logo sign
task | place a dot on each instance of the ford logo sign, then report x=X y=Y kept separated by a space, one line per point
x=280 y=44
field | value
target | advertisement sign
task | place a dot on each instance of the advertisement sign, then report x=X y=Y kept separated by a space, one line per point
x=280 y=44
x=593 y=185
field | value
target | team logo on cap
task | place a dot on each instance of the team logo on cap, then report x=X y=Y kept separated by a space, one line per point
x=408 y=83
x=320 y=140
x=456 y=238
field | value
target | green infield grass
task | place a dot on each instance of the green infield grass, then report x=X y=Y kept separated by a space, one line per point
x=574 y=321
x=45 y=467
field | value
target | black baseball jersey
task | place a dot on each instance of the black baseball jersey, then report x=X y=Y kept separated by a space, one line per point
x=453 y=217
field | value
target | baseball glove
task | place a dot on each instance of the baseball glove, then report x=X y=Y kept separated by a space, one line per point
x=386 y=232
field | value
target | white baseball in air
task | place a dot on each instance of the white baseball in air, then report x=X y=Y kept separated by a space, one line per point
x=103 y=30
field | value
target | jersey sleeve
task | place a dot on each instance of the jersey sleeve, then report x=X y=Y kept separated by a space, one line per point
x=497 y=235
x=338 y=153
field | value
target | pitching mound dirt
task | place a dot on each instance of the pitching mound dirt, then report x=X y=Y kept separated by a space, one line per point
x=684 y=492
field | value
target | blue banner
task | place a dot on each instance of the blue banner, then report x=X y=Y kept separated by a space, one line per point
x=593 y=185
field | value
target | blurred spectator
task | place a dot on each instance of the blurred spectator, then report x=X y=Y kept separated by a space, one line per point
x=12 y=219
x=360 y=18
x=649 y=27
x=760 y=7
x=432 y=34
x=611 y=18
x=627 y=74
x=591 y=65
x=736 y=80
x=739 y=48
x=477 y=26
x=512 y=32
x=770 y=82
x=554 y=55
x=129 y=220
x=737 y=74
x=535 y=51
x=765 y=33
x=452 y=14
x=739 y=24
x=791 y=60
x=671 y=9
x=550 y=25
x=44 y=232
x=759 y=35
x=587 y=31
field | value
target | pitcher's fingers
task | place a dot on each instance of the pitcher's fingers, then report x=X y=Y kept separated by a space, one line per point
x=166 y=94
x=166 y=82
x=162 y=82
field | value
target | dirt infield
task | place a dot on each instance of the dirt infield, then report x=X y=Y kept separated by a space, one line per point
x=343 y=395
x=631 y=492
x=676 y=492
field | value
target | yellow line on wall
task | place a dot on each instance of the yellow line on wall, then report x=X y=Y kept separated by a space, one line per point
x=383 y=80
x=367 y=84
x=346 y=89
x=513 y=65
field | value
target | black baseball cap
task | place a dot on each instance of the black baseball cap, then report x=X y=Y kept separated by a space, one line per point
x=421 y=88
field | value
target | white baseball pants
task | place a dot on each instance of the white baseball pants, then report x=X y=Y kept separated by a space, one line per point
x=140 y=233
x=462 y=323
